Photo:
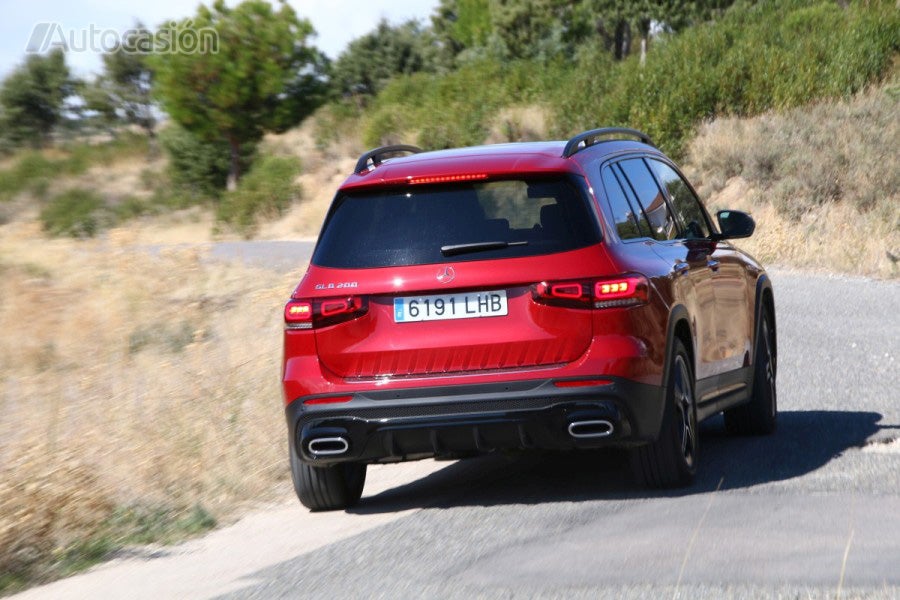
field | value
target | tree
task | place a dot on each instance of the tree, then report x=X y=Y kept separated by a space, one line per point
x=372 y=59
x=33 y=96
x=99 y=104
x=459 y=25
x=547 y=28
x=618 y=21
x=534 y=28
x=261 y=76
x=127 y=81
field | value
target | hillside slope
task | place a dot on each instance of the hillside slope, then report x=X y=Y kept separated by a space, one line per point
x=823 y=181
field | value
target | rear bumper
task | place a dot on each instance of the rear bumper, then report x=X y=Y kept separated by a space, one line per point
x=408 y=424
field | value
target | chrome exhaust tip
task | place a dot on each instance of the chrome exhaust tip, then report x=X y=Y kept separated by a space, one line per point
x=591 y=429
x=328 y=446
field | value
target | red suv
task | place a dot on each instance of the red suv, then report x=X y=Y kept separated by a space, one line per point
x=552 y=295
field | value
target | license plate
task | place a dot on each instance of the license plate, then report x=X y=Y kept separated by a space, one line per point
x=442 y=307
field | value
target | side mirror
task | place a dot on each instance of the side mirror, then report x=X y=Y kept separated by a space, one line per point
x=734 y=224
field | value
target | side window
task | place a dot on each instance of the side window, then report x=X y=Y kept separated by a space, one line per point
x=622 y=212
x=633 y=201
x=686 y=206
x=662 y=223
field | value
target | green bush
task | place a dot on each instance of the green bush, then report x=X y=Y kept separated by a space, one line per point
x=33 y=171
x=336 y=122
x=757 y=57
x=771 y=55
x=82 y=156
x=131 y=207
x=28 y=173
x=199 y=168
x=455 y=109
x=76 y=213
x=265 y=192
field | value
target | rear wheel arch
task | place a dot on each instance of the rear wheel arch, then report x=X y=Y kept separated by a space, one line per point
x=680 y=328
x=671 y=459
x=758 y=415
x=765 y=304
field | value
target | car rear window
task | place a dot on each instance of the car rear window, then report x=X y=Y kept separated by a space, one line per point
x=409 y=226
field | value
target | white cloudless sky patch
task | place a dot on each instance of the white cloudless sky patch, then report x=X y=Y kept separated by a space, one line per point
x=336 y=21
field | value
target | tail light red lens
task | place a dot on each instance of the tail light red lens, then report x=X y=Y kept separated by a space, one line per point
x=623 y=290
x=573 y=291
x=322 y=312
x=329 y=308
x=298 y=315
x=573 y=294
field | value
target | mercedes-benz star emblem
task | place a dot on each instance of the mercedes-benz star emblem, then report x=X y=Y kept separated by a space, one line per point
x=446 y=275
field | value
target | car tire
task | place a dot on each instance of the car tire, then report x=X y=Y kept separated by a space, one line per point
x=332 y=487
x=760 y=415
x=671 y=461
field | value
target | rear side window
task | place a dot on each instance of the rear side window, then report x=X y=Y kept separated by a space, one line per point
x=684 y=202
x=662 y=223
x=624 y=214
x=409 y=226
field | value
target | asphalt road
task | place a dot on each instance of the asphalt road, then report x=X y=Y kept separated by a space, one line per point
x=811 y=511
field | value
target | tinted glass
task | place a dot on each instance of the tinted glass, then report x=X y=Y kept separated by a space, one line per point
x=633 y=201
x=622 y=212
x=409 y=226
x=662 y=224
x=686 y=206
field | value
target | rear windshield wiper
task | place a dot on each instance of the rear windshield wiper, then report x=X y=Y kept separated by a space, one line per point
x=455 y=249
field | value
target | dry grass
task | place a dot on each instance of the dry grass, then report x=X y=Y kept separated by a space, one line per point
x=519 y=124
x=129 y=380
x=324 y=169
x=823 y=182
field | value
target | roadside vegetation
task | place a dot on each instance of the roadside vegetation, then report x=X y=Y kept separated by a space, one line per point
x=147 y=408
x=757 y=57
x=32 y=171
x=822 y=181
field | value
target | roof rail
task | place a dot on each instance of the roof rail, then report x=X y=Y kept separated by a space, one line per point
x=378 y=154
x=588 y=138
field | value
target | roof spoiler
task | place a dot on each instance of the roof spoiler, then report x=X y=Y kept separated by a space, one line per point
x=379 y=154
x=589 y=138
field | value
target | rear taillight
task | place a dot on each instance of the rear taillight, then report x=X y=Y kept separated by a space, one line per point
x=298 y=315
x=574 y=294
x=623 y=290
x=322 y=312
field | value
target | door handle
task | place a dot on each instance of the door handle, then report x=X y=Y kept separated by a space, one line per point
x=681 y=267
x=712 y=263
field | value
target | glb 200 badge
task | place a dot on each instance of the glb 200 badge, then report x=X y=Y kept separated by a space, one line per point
x=337 y=286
